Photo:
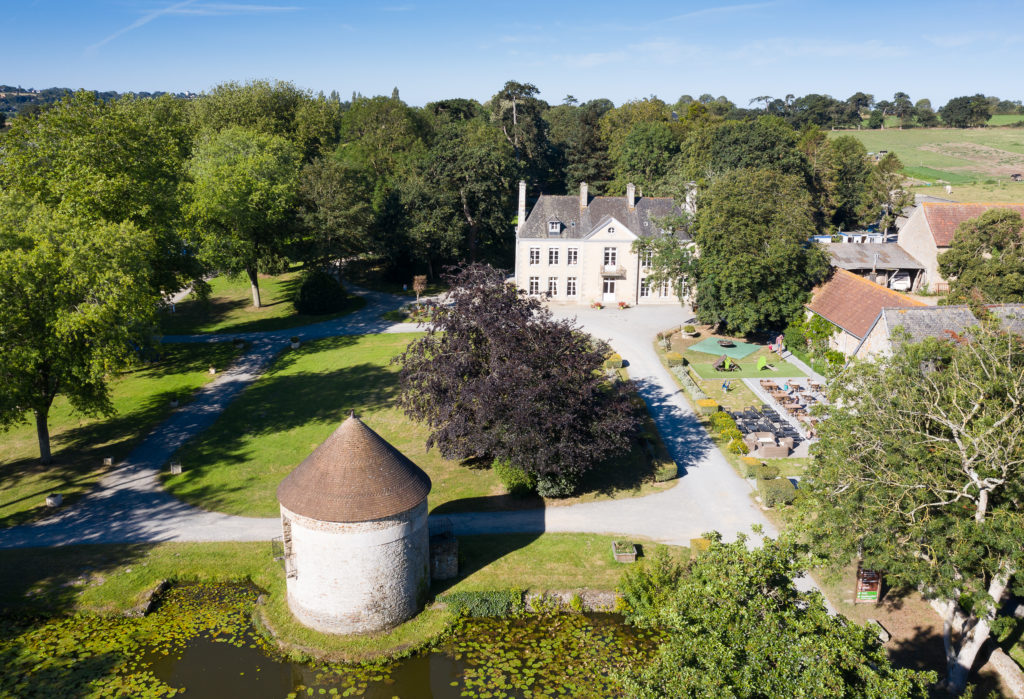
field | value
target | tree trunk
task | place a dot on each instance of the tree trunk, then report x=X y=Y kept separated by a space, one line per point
x=976 y=635
x=473 y=226
x=43 y=433
x=254 y=282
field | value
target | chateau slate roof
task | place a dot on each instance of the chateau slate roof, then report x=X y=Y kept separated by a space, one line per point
x=853 y=303
x=941 y=322
x=862 y=256
x=353 y=476
x=943 y=219
x=577 y=223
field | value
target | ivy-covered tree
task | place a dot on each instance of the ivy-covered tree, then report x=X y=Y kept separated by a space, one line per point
x=495 y=377
x=738 y=627
x=76 y=302
x=985 y=262
x=756 y=266
x=920 y=469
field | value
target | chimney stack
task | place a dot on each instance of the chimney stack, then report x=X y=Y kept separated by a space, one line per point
x=521 y=216
x=583 y=196
x=631 y=196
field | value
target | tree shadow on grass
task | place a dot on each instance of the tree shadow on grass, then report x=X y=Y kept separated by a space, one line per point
x=476 y=552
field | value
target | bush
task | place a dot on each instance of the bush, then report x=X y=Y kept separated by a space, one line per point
x=749 y=466
x=516 y=481
x=614 y=361
x=768 y=472
x=646 y=587
x=777 y=491
x=485 y=602
x=689 y=329
x=731 y=433
x=318 y=293
x=707 y=406
x=722 y=421
x=675 y=359
x=556 y=485
x=737 y=446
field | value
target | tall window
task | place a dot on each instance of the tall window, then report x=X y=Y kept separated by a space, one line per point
x=572 y=256
x=645 y=287
x=611 y=256
x=646 y=258
x=552 y=286
x=570 y=286
x=534 y=286
x=534 y=256
x=665 y=289
x=552 y=256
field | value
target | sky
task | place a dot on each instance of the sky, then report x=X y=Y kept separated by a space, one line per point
x=436 y=50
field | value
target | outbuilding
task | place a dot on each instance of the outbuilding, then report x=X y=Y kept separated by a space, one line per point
x=354 y=523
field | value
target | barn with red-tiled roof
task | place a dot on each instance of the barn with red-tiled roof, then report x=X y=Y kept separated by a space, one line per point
x=929 y=232
x=852 y=303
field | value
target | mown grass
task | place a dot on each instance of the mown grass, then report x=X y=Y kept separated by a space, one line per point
x=229 y=308
x=116 y=579
x=1002 y=190
x=237 y=464
x=141 y=399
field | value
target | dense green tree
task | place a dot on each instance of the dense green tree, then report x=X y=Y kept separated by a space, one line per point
x=845 y=174
x=616 y=124
x=112 y=161
x=519 y=113
x=646 y=155
x=576 y=136
x=278 y=108
x=767 y=142
x=385 y=137
x=884 y=196
x=903 y=108
x=243 y=196
x=738 y=627
x=924 y=113
x=334 y=210
x=861 y=101
x=966 y=112
x=985 y=262
x=76 y=303
x=755 y=267
x=920 y=468
x=496 y=377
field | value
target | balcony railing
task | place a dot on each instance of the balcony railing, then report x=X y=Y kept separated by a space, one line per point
x=613 y=271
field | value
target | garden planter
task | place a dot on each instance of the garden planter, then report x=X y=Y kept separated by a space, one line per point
x=175 y=468
x=174 y=402
x=624 y=551
x=54 y=500
x=295 y=343
x=108 y=461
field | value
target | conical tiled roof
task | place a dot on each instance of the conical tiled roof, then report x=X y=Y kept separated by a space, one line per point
x=354 y=476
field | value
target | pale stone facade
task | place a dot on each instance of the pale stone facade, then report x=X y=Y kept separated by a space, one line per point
x=579 y=250
x=916 y=238
x=356 y=577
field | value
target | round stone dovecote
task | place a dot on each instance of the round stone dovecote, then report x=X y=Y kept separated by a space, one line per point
x=354 y=521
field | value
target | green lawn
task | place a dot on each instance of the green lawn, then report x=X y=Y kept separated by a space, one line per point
x=1005 y=119
x=79 y=443
x=237 y=464
x=113 y=579
x=955 y=155
x=229 y=308
x=1001 y=190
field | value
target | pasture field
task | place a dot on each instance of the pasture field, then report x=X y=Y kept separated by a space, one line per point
x=956 y=156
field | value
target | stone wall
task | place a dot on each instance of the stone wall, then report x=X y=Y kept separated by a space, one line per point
x=360 y=576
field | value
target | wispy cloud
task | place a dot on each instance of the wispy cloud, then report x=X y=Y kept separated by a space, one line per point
x=953 y=41
x=724 y=10
x=192 y=7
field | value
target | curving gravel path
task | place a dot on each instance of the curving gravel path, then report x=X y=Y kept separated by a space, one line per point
x=129 y=505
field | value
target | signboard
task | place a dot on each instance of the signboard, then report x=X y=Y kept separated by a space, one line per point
x=869 y=585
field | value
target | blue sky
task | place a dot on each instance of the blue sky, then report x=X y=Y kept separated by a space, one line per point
x=433 y=50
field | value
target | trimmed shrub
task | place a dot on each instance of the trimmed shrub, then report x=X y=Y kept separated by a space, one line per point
x=516 y=481
x=722 y=421
x=731 y=433
x=749 y=466
x=675 y=359
x=737 y=446
x=614 y=361
x=318 y=293
x=556 y=485
x=485 y=602
x=689 y=329
x=768 y=472
x=777 y=491
x=707 y=406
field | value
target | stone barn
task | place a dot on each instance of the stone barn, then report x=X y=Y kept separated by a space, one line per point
x=354 y=521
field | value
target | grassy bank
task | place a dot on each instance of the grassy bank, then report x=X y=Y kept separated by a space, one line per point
x=117 y=579
x=229 y=308
x=237 y=464
x=141 y=399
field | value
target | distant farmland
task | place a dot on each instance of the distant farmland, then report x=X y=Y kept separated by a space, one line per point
x=956 y=156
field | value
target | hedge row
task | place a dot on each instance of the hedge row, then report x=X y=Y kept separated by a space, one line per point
x=689 y=385
x=485 y=602
x=775 y=491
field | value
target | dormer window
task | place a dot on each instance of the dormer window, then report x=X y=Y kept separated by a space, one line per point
x=554 y=227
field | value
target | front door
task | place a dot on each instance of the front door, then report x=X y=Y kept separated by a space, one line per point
x=609 y=291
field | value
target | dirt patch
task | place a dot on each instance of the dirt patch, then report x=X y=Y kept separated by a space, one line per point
x=994 y=160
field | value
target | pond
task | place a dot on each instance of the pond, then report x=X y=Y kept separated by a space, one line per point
x=200 y=640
